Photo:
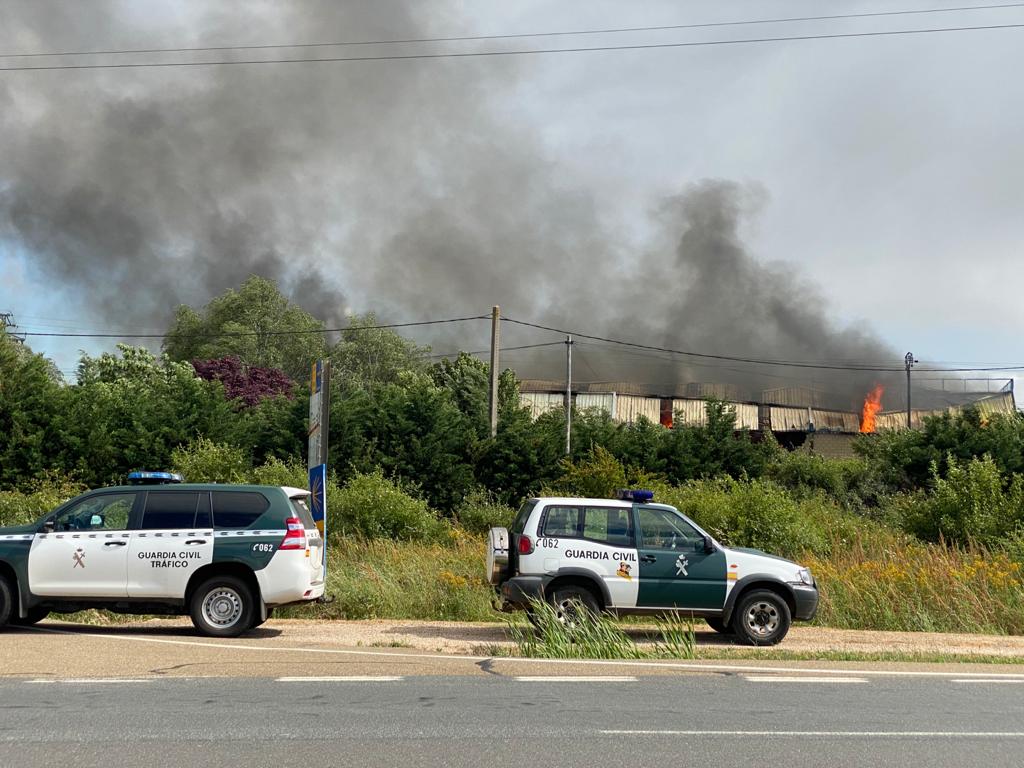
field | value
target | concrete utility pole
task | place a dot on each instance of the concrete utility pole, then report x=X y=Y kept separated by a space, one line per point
x=568 y=395
x=909 y=362
x=492 y=400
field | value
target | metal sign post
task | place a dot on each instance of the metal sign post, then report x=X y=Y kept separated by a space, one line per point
x=319 y=422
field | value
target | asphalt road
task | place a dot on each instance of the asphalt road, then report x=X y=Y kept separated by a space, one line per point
x=723 y=719
x=81 y=697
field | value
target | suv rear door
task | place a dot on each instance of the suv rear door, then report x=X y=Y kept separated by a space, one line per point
x=174 y=539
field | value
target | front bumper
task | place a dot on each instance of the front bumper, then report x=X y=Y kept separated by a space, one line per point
x=518 y=592
x=806 y=599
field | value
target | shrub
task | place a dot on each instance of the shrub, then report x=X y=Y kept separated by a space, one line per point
x=752 y=513
x=374 y=507
x=204 y=461
x=597 y=476
x=276 y=472
x=480 y=511
x=22 y=508
x=971 y=503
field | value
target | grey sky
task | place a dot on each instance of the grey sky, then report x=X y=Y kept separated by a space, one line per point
x=888 y=171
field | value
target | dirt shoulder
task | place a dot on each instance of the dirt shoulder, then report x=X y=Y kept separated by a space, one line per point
x=476 y=638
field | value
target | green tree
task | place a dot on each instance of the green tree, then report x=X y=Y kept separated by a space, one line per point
x=29 y=399
x=130 y=411
x=714 y=448
x=271 y=332
x=367 y=355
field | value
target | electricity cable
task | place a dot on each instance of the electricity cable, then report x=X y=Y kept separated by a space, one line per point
x=514 y=52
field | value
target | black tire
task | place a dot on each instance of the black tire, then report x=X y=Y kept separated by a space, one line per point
x=6 y=601
x=719 y=626
x=223 y=606
x=567 y=601
x=35 y=615
x=761 y=617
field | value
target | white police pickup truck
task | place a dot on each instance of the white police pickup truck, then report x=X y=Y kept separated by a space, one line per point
x=632 y=556
x=224 y=554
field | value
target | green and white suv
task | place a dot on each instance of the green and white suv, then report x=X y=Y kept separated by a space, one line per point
x=631 y=556
x=224 y=554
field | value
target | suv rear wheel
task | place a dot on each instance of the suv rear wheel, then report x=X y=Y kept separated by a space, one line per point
x=223 y=606
x=761 y=618
x=569 y=601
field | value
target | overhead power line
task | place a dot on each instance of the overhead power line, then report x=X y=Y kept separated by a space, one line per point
x=880 y=368
x=234 y=334
x=514 y=36
x=502 y=349
x=514 y=52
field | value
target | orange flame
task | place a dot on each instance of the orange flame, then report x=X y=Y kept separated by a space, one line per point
x=872 y=405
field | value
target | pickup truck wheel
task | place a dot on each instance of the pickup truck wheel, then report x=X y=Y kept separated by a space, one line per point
x=35 y=615
x=568 y=603
x=719 y=626
x=223 y=606
x=6 y=601
x=761 y=618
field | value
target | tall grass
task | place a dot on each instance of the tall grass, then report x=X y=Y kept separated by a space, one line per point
x=382 y=579
x=590 y=636
x=894 y=584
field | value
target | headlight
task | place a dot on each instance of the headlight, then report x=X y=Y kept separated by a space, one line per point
x=804 y=574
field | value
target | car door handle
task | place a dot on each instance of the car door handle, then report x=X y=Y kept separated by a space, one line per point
x=648 y=559
x=114 y=543
x=194 y=542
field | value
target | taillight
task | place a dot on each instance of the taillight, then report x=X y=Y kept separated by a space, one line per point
x=295 y=535
x=525 y=545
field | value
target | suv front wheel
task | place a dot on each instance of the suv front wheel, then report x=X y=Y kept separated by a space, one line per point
x=761 y=618
x=223 y=606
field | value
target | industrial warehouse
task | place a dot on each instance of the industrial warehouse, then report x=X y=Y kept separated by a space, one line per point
x=798 y=417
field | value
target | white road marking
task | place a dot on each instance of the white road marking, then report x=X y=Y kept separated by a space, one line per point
x=688 y=666
x=343 y=679
x=847 y=734
x=981 y=680
x=576 y=679
x=90 y=681
x=802 y=679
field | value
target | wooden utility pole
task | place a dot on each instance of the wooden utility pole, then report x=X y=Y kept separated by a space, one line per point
x=568 y=395
x=492 y=400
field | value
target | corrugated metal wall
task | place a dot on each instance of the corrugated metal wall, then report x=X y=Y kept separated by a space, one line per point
x=540 y=403
x=891 y=420
x=623 y=408
x=794 y=396
x=693 y=413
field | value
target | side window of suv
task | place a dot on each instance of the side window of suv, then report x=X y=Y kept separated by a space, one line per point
x=661 y=529
x=560 y=522
x=170 y=510
x=107 y=512
x=233 y=510
x=608 y=525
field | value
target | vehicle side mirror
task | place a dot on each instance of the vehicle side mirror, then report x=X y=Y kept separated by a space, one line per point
x=48 y=526
x=709 y=546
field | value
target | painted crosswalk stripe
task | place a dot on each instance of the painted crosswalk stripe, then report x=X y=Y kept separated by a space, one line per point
x=801 y=679
x=343 y=679
x=576 y=679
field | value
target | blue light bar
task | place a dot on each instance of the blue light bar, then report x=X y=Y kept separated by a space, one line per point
x=639 y=496
x=154 y=478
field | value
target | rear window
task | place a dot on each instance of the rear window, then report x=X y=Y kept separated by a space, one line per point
x=302 y=511
x=237 y=509
x=170 y=509
x=519 y=524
